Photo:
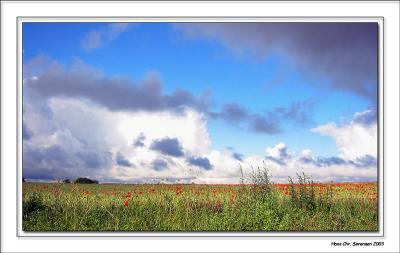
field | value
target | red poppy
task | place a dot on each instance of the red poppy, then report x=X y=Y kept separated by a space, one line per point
x=126 y=203
x=232 y=199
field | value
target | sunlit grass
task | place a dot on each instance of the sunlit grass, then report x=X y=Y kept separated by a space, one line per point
x=112 y=207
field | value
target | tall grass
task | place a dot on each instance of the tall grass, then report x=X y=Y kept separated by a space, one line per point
x=255 y=205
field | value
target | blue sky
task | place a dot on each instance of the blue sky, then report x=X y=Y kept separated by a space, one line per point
x=297 y=88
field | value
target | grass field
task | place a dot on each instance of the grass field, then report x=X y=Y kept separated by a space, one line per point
x=274 y=207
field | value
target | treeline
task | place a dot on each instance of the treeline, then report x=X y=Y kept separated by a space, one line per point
x=79 y=180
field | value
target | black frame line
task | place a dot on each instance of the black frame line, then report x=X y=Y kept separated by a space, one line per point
x=165 y=234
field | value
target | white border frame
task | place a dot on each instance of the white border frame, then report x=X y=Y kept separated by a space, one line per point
x=10 y=10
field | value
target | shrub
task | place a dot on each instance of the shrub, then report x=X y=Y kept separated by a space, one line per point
x=66 y=181
x=32 y=204
x=85 y=180
x=304 y=196
x=261 y=179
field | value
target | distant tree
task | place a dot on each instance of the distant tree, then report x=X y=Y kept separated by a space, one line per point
x=66 y=181
x=85 y=180
x=23 y=180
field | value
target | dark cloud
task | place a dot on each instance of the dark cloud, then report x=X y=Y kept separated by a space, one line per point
x=329 y=161
x=159 y=165
x=233 y=112
x=343 y=53
x=282 y=157
x=324 y=161
x=263 y=125
x=366 y=118
x=365 y=161
x=283 y=153
x=26 y=133
x=57 y=162
x=299 y=112
x=306 y=159
x=270 y=122
x=237 y=156
x=46 y=163
x=94 y=159
x=138 y=142
x=202 y=162
x=168 y=146
x=116 y=94
x=122 y=161
x=276 y=160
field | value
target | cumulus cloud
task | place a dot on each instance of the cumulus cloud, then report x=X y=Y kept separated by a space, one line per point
x=73 y=130
x=346 y=53
x=97 y=38
x=73 y=138
x=81 y=81
x=356 y=138
x=278 y=154
x=283 y=164
x=100 y=149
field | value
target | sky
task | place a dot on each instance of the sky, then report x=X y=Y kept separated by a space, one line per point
x=195 y=102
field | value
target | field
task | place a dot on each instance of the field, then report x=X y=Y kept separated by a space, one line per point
x=162 y=207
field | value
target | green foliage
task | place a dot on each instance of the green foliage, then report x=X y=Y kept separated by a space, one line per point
x=260 y=179
x=85 y=180
x=302 y=194
x=98 y=207
x=32 y=203
x=67 y=181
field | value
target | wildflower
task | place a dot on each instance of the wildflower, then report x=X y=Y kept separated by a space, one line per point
x=128 y=195
x=232 y=199
x=126 y=203
x=179 y=190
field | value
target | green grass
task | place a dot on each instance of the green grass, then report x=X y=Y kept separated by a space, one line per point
x=73 y=207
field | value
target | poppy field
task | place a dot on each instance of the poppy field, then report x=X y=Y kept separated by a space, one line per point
x=300 y=206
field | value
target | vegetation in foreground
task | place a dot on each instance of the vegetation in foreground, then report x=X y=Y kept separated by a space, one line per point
x=260 y=206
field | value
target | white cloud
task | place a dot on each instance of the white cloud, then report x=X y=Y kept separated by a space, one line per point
x=74 y=137
x=77 y=125
x=277 y=152
x=306 y=153
x=353 y=139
